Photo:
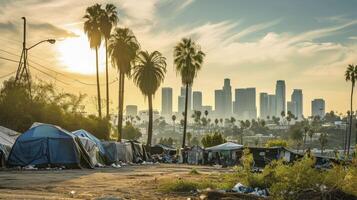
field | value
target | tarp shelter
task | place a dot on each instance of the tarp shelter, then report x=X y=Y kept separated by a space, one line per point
x=139 y=152
x=84 y=133
x=48 y=145
x=7 y=140
x=162 y=149
x=224 y=154
x=195 y=155
x=92 y=150
x=118 y=151
x=228 y=146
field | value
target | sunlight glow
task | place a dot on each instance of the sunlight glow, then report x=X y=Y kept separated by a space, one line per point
x=77 y=57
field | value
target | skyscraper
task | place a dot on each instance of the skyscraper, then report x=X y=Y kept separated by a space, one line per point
x=219 y=103
x=181 y=104
x=264 y=105
x=197 y=100
x=291 y=107
x=189 y=100
x=131 y=110
x=245 y=103
x=318 y=108
x=227 y=93
x=280 y=97
x=166 y=101
x=297 y=97
x=272 y=105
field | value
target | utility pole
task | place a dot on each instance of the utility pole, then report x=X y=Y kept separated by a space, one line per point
x=23 y=72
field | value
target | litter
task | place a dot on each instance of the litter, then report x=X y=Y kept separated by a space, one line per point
x=115 y=165
x=240 y=188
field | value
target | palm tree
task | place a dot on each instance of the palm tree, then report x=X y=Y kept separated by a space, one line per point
x=92 y=29
x=109 y=19
x=323 y=141
x=148 y=73
x=351 y=75
x=173 y=120
x=188 y=59
x=122 y=48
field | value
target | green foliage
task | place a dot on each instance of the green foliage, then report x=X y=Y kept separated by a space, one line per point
x=19 y=109
x=210 y=140
x=194 y=171
x=166 y=141
x=276 y=143
x=182 y=185
x=130 y=132
x=195 y=141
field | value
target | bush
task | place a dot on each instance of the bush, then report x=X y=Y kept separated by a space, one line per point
x=210 y=140
x=276 y=143
x=194 y=171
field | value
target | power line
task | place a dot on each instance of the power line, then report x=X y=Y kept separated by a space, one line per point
x=8 y=59
x=6 y=75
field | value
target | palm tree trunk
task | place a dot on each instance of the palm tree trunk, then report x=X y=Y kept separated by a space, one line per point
x=351 y=121
x=106 y=75
x=148 y=143
x=174 y=126
x=120 y=106
x=185 y=118
x=98 y=86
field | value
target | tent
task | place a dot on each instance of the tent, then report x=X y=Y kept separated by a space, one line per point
x=228 y=146
x=162 y=149
x=118 y=151
x=195 y=155
x=139 y=152
x=93 y=151
x=7 y=140
x=46 y=145
x=86 y=134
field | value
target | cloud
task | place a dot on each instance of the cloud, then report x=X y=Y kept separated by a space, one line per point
x=51 y=30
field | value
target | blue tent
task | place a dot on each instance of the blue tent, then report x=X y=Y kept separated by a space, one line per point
x=48 y=145
x=83 y=133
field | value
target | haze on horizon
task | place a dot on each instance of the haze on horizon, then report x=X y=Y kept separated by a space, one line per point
x=307 y=44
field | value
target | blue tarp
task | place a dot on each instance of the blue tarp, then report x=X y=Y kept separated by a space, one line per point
x=44 y=145
x=86 y=134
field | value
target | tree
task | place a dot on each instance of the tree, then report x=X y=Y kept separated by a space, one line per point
x=188 y=59
x=296 y=134
x=189 y=136
x=122 y=48
x=130 y=132
x=108 y=20
x=210 y=140
x=92 y=29
x=351 y=75
x=276 y=143
x=173 y=120
x=323 y=142
x=148 y=74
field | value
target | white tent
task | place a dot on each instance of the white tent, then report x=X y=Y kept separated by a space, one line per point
x=92 y=149
x=7 y=136
x=228 y=146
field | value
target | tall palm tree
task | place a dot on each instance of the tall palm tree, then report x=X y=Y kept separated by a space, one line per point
x=351 y=75
x=188 y=59
x=173 y=120
x=122 y=48
x=92 y=29
x=109 y=19
x=148 y=73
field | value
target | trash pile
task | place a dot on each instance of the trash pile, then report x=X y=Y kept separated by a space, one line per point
x=240 y=188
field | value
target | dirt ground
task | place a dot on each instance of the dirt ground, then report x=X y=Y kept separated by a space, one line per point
x=128 y=182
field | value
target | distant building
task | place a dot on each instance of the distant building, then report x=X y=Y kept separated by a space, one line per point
x=166 y=101
x=227 y=95
x=291 y=107
x=245 y=103
x=318 y=108
x=280 y=97
x=297 y=97
x=264 y=105
x=272 y=105
x=189 y=100
x=219 y=106
x=197 y=100
x=131 y=110
x=181 y=104
x=208 y=108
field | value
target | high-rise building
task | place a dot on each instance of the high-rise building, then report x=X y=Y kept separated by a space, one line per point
x=280 y=97
x=227 y=93
x=166 y=101
x=318 y=108
x=264 y=105
x=189 y=100
x=297 y=97
x=181 y=104
x=245 y=103
x=209 y=110
x=219 y=103
x=291 y=107
x=197 y=100
x=131 y=110
x=272 y=105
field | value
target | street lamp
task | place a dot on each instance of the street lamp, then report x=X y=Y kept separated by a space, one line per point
x=51 y=41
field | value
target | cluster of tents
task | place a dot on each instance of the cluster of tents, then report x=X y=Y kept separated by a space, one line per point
x=46 y=145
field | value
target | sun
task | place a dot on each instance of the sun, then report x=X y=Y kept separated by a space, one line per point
x=76 y=55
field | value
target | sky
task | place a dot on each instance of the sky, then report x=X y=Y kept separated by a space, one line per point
x=254 y=43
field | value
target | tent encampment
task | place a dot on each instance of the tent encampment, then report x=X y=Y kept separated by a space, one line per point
x=228 y=146
x=84 y=133
x=118 y=151
x=223 y=154
x=46 y=145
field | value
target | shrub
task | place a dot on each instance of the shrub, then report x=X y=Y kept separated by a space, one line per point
x=194 y=171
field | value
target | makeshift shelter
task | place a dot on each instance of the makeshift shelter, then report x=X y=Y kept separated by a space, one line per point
x=224 y=154
x=264 y=155
x=86 y=134
x=7 y=140
x=118 y=151
x=93 y=151
x=162 y=149
x=139 y=152
x=195 y=155
x=47 y=145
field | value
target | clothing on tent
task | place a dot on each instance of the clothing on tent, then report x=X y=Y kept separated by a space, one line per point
x=48 y=145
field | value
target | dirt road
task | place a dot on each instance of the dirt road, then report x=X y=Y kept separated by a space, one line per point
x=129 y=182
